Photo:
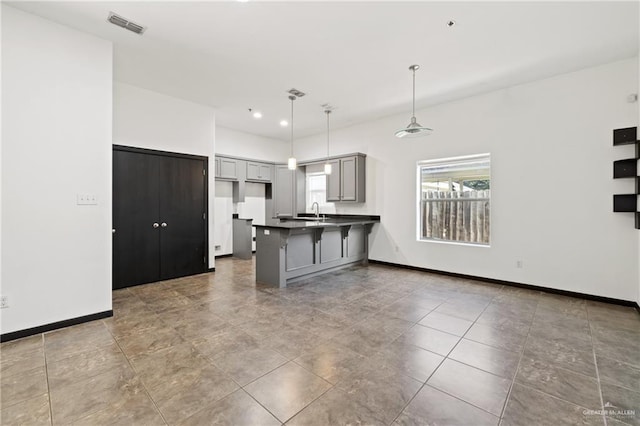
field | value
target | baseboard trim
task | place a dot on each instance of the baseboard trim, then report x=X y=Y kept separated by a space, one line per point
x=54 y=326
x=212 y=269
x=515 y=284
x=220 y=256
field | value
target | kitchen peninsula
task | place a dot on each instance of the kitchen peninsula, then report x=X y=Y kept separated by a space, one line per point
x=292 y=249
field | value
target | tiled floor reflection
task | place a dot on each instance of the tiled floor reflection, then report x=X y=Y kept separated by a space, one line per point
x=366 y=345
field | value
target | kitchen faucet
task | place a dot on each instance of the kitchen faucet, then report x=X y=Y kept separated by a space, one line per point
x=315 y=203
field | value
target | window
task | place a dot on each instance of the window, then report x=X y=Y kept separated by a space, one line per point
x=316 y=188
x=454 y=199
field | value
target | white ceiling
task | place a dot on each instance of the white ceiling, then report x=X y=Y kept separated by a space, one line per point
x=353 y=55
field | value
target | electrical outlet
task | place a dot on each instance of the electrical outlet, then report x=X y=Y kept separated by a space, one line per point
x=4 y=302
x=519 y=264
x=86 y=199
x=218 y=247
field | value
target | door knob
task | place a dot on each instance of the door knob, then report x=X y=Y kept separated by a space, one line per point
x=155 y=224
x=164 y=224
x=113 y=231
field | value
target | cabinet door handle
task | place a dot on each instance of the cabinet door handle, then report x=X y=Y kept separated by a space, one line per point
x=155 y=225
x=164 y=224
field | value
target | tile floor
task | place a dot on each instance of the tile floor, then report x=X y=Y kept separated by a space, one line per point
x=366 y=345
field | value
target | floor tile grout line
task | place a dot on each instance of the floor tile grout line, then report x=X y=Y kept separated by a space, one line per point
x=144 y=386
x=595 y=363
x=46 y=373
x=439 y=365
x=260 y=404
x=524 y=385
x=515 y=374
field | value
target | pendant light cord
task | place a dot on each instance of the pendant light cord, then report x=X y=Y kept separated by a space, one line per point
x=413 y=114
x=328 y=111
x=292 y=99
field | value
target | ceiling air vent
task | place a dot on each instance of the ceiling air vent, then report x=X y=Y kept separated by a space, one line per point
x=125 y=23
x=296 y=93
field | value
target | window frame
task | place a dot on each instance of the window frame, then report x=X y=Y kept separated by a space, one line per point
x=452 y=161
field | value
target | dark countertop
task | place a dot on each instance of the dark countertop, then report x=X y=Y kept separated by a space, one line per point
x=330 y=221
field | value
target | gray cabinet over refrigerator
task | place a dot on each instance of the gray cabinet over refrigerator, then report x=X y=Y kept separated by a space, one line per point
x=260 y=172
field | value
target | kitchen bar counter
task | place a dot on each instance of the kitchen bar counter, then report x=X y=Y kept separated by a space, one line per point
x=289 y=250
x=301 y=223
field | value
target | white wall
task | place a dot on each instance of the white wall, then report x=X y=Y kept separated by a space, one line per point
x=56 y=143
x=146 y=119
x=239 y=144
x=551 y=152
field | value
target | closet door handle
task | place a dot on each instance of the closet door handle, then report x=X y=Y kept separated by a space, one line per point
x=163 y=224
x=155 y=225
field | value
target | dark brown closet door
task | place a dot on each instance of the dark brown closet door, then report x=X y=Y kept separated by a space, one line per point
x=182 y=214
x=136 y=241
x=159 y=207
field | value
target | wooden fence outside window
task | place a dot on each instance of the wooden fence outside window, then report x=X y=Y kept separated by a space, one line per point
x=456 y=216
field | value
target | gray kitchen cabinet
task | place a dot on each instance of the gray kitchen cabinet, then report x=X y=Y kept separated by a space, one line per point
x=259 y=171
x=288 y=191
x=228 y=168
x=333 y=181
x=347 y=179
x=284 y=192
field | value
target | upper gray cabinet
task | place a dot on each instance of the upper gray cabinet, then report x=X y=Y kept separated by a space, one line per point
x=228 y=168
x=289 y=191
x=284 y=192
x=217 y=164
x=260 y=172
x=346 y=183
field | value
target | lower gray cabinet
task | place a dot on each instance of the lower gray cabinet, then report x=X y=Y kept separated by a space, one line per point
x=347 y=179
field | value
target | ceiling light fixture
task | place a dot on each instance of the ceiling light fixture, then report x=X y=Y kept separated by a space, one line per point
x=257 y=114
x=292 y=164
x=413 y=130
x=284 y=123
x=327 y=165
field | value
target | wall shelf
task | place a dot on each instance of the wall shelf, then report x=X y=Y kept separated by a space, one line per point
x=626 y=136
x=626 y=203
x=627 y=168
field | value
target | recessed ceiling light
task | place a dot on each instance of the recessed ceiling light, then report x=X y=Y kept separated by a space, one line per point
x=257 y=114
x=284 y=123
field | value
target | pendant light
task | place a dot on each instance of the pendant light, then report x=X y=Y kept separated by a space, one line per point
x=327 y=165
x=413 y=130
x=292 y=163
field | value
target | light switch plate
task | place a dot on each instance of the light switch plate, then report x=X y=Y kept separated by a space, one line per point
x=86 y=199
